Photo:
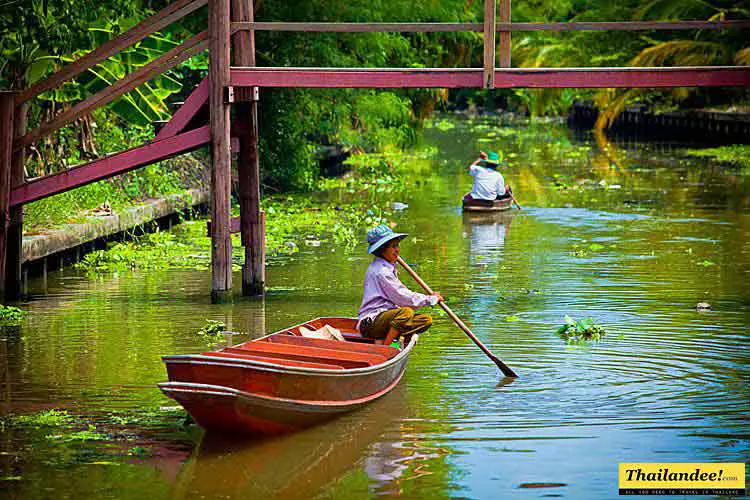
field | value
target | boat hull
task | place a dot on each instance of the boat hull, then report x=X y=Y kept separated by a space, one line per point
x=229 y=392
x=501 y=205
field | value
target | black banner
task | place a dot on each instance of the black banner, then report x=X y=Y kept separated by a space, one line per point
x=734 y=492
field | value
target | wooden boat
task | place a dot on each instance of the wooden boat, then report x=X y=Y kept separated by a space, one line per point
x=472 y=205
x=284 y=382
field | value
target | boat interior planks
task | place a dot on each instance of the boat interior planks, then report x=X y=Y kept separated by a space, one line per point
x=346 y=359
x=387 y=352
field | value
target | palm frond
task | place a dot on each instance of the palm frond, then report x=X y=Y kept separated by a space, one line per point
x=683 y=53
x=742 y=57
x=665 y=10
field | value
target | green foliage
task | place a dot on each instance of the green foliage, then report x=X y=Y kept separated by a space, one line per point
x=10 y=316
x=736 y=154
x=138 y=108
x=212 y=328
x=47 y=418
x=577 y=331
x=151 y=251
x=212 y=332
x=88 y=434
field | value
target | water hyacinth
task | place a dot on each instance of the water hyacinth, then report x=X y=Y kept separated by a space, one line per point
x=10 y=316
x=576 y=331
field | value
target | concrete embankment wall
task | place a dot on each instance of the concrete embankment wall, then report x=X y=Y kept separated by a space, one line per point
x=690 y=125
x=56 y=247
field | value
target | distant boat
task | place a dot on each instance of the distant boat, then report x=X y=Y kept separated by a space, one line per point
x=284 y=382
x=472 y=205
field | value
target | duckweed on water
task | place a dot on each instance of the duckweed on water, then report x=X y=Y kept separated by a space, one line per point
x=577 y=331
x=88 y=434
x=108 y=438
x=47 y=418
x=150 y=251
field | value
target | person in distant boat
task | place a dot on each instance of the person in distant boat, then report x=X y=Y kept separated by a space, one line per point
x=489 y=184
x=387 y=309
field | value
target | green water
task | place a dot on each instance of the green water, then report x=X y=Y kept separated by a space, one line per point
x=633 y=235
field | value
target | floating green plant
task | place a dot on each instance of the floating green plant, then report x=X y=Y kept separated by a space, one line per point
x=583 y=250
x=706 y=263
x=48 y=418
x=212 y=328
x=10 y=316
x=88 y=434
x=576 y=331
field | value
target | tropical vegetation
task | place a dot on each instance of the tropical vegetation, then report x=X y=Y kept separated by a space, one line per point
x=296 y=123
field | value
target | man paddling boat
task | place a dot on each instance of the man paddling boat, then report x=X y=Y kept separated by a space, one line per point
x=489 y=184
x=387 y=309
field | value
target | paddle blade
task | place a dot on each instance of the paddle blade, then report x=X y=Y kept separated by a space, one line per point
x=503 y=367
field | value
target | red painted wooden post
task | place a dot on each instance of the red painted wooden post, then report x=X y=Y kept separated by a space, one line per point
x=248 y=166
x=221 y=153
x=504 y=36
x=490 y=8
x=7 y=109
x=14 y=248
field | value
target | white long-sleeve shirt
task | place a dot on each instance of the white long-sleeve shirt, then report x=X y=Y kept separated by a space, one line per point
x=384 y=291
x=488 y=183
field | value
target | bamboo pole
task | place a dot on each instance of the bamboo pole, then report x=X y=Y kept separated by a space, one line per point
x=221 y=153
x=248 y=165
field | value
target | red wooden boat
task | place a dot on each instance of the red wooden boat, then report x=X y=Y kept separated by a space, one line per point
x=284 y=382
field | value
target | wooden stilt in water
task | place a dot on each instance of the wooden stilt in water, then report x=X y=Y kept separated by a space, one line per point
x=14 y=257
x=490 y=9
x=221 y=154
x=504 y=36
x=7 y=107
x=248 y=167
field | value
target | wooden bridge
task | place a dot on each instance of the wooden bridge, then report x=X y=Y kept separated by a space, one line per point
x=233 y=81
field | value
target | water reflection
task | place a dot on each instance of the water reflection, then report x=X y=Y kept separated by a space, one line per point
x=486 y=233
x=303 y=464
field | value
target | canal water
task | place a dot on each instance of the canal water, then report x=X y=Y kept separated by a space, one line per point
x=632 y=235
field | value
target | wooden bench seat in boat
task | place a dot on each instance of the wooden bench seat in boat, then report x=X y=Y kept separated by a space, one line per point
x=277 y=361
x=347 y=359
x=338 y=345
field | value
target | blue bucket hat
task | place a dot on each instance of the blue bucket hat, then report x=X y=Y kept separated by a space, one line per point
x=380 y=235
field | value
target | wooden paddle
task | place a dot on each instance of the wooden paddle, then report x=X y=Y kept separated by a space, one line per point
x=514 y=200
x=503 y=367
x=510 y=192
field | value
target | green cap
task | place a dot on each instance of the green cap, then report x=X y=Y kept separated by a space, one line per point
x=493 y=159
